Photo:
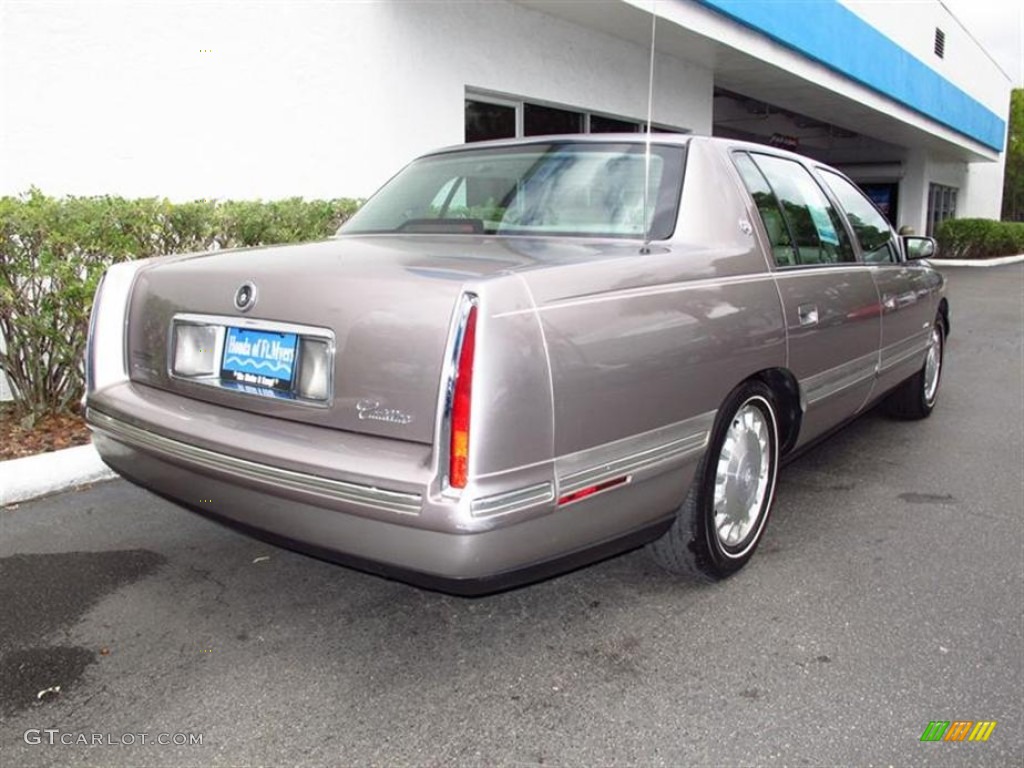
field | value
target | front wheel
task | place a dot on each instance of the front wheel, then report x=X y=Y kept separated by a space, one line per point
x=915 y=398
x=720 y=524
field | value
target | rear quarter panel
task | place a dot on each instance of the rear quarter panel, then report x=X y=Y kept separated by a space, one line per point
x=512 y=403
x=650 y=340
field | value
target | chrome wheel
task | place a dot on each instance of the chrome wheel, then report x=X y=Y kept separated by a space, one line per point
x=742 y=478
x=720 y=523
x=933 y=366
x=915 y=397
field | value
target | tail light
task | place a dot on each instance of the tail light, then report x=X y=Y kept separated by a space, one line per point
x=462 y=399
x=105 y=350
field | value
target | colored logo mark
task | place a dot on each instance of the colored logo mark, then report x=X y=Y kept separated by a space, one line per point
x=958 y=730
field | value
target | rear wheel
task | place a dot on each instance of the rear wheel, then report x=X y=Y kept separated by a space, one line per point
x=720 y=524
x=915 y=398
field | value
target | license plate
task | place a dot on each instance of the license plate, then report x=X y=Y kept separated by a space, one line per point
x=260 y=359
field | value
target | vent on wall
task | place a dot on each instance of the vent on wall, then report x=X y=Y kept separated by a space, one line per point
x=940 y=43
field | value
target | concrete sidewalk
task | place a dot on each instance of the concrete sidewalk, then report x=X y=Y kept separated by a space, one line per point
x=46 y=473
x=996 y=262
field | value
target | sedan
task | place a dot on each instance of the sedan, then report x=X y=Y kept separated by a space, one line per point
x=519 y=357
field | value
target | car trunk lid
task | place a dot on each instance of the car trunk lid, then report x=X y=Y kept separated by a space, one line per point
x=387 y=301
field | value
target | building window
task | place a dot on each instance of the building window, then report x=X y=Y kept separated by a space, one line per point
x=940 y=43
x=941 y=206
x=545 y=121
x=496 y=117
x=489 y=120
x=602 y=124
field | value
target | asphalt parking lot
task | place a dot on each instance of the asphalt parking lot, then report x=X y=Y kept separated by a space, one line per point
x=889 y=592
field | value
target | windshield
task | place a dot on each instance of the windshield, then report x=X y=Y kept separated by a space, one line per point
x=576 y=189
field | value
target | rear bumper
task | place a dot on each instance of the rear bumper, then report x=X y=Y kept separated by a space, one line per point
x=465 y=564
x=211 y=462
x=382 y=531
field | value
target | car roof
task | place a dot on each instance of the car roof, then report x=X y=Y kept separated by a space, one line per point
x=572 y=138
x=677 y=139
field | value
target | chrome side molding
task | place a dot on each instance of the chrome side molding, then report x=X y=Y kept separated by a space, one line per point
x=672 y=443
x=894 y=354
x=835 y=380
x=513 y=501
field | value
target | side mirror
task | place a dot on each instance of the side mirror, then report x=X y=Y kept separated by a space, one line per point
x=919 y=247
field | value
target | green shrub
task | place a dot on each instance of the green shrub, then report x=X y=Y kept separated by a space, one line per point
x=979 y=238
x=53 y=252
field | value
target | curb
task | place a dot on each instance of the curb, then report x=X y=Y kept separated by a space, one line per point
x=46 y=473
x=997 y=262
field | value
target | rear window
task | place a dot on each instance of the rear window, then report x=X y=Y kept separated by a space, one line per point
x=571 y=189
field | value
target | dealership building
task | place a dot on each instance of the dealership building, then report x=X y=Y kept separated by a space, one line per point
x=328 y=99
x=898 y=95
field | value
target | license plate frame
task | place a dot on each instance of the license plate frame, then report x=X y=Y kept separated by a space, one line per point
x=260 y=359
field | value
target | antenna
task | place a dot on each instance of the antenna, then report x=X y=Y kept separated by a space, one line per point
x=646 y=247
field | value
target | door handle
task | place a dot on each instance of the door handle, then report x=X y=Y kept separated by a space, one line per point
x=808 y=314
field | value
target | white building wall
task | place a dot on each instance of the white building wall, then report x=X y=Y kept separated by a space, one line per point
x=312 y=99
x=977 y=184
x=913 y=192
x=979 y=187
x=920 y=171
x=269 y=100
x=983 y=196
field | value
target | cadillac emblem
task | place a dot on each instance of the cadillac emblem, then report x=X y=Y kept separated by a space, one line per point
x=245 y=297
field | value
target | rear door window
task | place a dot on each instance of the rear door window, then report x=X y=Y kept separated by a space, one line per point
x=813 y=226
x=771 y=214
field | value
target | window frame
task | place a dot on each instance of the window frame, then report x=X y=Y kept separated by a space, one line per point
x=496 y=101
x=942 y=205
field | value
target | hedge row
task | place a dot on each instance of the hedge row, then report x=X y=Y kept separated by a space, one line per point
x=54 y=250
x=979 y=238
